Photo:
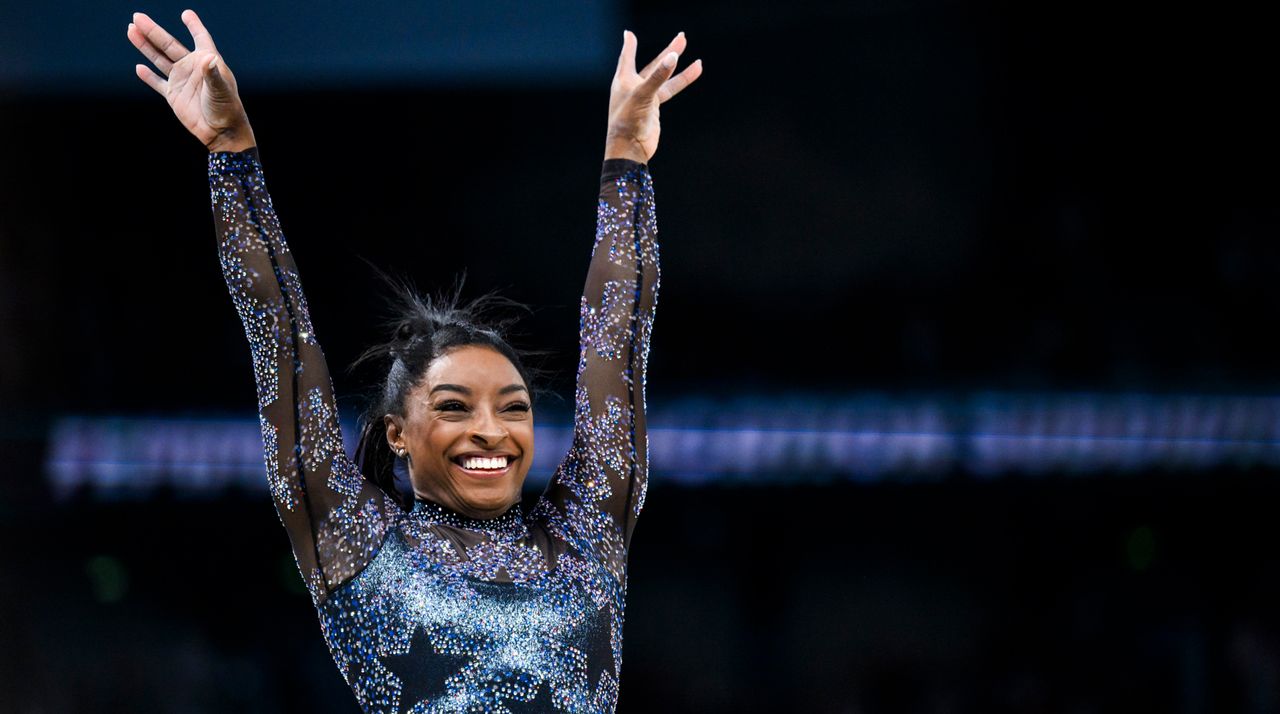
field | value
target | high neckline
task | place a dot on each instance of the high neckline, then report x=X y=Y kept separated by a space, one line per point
x=509 y=524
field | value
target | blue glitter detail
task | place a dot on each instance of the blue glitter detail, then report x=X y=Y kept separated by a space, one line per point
x=283 y=490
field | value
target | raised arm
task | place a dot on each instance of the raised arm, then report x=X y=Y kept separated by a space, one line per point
x=335 y=518
x=601 y=484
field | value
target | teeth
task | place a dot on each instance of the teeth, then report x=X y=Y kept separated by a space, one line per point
x=476 y=462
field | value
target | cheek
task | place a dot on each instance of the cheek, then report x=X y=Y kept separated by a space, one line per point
x=439 y=435
x=524 y=427
x=523 y=434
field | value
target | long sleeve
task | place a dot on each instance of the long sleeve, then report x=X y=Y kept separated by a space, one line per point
x=600 y=486
x=336 y=519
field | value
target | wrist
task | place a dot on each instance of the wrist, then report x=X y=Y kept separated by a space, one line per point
x=234 y=139
x=619 y=147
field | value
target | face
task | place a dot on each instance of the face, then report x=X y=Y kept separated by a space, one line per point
x=468 y=431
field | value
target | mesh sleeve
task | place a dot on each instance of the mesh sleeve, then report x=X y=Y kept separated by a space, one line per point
x=599 y=489
x=336 y=519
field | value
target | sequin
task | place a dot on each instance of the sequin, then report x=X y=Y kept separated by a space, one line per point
x=430 y=611
x=282 y=488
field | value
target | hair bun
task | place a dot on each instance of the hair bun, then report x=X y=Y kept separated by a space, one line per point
x=415 y=327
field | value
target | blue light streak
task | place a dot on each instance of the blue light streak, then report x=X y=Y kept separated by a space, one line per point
x=863 y=438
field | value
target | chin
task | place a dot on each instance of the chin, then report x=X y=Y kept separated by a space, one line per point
x=491 y=499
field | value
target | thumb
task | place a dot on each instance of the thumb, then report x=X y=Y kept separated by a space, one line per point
x=661 y=73
x=218 y=85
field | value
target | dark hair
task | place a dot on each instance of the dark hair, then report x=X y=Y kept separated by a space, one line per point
x=422 y=329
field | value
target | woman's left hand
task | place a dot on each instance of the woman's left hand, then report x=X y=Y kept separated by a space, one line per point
x=634 y=98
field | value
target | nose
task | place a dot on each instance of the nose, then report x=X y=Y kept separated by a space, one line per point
x=487 y=430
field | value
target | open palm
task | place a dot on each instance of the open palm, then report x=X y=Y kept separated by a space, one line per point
x=198 y=85
x=634 y=98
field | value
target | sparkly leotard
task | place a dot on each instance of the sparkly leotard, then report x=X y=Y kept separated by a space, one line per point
x=429 y=611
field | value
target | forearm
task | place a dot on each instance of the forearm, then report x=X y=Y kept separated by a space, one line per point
x=626 y=246
x=249 y=254
x=618 y=305
x=242 y=211
x=256 y=260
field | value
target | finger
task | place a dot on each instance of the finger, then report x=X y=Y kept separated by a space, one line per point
x=676 y=84
x=660 y=74
x=201 y=36
x=157 y=36
x=677 y=46
x=152 y=79
x=627 y=60
x=216 y=79
x=147 y=49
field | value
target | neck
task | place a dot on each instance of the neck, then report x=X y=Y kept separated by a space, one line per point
x=461 y=508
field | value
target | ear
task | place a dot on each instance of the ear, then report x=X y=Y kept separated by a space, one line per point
x=395 y=431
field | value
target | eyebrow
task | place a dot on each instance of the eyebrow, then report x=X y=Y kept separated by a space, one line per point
x=467 y=391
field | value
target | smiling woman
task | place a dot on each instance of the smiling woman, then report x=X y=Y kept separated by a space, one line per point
x=452 y=599
x=470 y=423
x=455 y=408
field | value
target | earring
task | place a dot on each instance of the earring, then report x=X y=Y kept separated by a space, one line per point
x=400 y=453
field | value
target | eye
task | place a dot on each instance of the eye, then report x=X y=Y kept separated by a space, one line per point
x=518 y=407
x=452 y=405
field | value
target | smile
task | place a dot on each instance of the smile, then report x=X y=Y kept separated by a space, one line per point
x=484 y=466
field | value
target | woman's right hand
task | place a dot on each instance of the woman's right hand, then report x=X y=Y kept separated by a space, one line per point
x=198 y=85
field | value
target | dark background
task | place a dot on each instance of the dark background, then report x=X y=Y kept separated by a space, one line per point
x=888 y=197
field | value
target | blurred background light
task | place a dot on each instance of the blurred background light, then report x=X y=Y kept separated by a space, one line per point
x=755 y=441
x=379 y=43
